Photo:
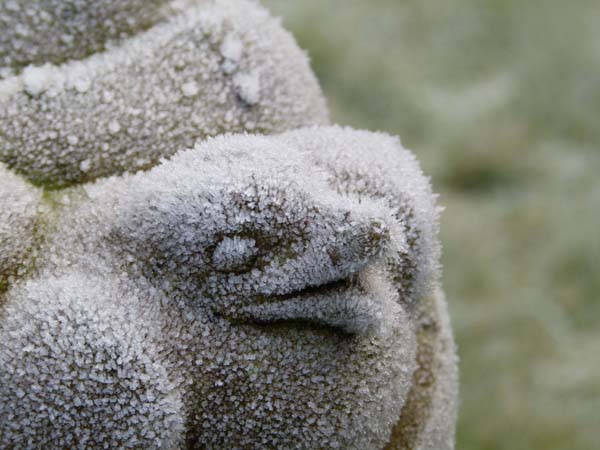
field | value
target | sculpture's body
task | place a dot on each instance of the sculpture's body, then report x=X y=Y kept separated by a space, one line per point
x=252 y=292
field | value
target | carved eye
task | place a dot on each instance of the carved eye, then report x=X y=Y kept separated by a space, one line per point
x=235 y=254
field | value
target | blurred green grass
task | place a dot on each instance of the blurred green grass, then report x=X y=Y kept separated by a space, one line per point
x=500 y=100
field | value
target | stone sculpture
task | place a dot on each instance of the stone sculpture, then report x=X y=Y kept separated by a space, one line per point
x=163 y=288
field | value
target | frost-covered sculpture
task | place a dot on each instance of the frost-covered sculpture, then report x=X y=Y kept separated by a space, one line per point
x=253 y=291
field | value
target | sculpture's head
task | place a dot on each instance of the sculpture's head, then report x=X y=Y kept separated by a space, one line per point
x=252 y=292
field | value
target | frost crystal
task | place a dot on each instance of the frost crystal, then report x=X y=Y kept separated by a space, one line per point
x=248 y=86
x=37 y=79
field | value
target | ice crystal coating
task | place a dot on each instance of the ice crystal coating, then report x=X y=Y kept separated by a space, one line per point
x=81 y=373
x=251 y=292
x=84 y=110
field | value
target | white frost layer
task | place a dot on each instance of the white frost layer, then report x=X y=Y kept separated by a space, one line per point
x=222 y=66
x=77 y=372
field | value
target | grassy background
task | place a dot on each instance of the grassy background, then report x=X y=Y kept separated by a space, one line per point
x=500 y=99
